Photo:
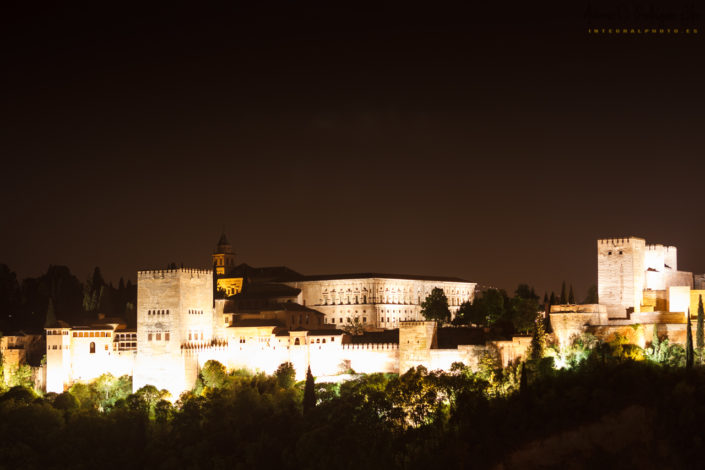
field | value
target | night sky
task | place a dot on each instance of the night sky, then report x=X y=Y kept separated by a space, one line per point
x=495 y=143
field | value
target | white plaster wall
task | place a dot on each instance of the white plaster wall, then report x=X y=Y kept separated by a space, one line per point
x=679 y=299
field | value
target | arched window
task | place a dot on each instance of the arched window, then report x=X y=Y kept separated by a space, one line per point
x=296 y=342
x=92 y=346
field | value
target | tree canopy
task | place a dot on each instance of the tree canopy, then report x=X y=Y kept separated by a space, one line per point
x=435 y=306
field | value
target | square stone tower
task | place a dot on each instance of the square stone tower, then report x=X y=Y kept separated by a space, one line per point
x=621 y=263
x=174 y=309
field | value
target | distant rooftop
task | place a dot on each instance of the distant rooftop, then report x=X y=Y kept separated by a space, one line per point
x=414 y=277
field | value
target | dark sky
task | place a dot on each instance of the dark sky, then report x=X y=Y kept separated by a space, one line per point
x=495 y=143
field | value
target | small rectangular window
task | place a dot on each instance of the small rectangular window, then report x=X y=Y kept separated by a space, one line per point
x=166 y=336
x=159 y=336
x=149 y=337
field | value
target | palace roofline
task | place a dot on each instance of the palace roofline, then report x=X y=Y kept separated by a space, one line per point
x=411 y=277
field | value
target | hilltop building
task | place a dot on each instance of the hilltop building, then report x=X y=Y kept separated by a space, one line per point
x=639 y=288
x=259 y=318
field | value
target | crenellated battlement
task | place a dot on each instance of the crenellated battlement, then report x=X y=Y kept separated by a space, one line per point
x=618 y=241
x=172 y=273
x=370 y=346
x=415 y=323
x=659 y=247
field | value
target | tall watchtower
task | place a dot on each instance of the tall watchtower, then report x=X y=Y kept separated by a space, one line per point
x=620 y=274
x=174 y=310
x=223 y=256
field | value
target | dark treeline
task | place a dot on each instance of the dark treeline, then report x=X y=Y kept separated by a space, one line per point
x=504 y=314
x=603 y=413
x=24 y=303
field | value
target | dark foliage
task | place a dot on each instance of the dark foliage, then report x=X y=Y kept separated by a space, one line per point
x=617 y=414
x=309 y=392
x=506 y=315
x=25 y=305
x=435 y=306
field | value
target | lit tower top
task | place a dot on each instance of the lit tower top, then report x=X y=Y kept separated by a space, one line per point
x=223 y=256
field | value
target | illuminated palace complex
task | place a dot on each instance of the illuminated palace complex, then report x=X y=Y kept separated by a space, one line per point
x=640 y=290
x=259 y=318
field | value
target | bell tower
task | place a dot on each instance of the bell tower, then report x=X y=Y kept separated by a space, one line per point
x=223 y=256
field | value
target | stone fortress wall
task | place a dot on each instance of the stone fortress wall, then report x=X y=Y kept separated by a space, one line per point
x=639 y=288
x=180 y=328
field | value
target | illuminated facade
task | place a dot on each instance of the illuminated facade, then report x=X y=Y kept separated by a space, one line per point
x=86 y=352
x=639 y=288
x=377 y=300
x=269 y=316
x=224 y=266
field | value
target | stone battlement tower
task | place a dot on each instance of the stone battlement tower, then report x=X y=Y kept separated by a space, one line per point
x=174 y=308
x=621 y=263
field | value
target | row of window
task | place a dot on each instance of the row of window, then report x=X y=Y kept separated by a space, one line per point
x=194 y=336
x=297 y=342
x=228 y=261
x=57 y=332
x=349 y=320
x=118 y=347
x=158 y=336
x=158 y=312
x=383 y=300
x=91 y=334
x=126 y=336
x=195 y=312
x=620 y=252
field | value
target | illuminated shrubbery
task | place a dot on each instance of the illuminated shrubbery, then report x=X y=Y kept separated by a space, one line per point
x=418 y=420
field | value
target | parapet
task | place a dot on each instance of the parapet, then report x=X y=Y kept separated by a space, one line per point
x=658 y=246
x=584 y=308
x=172 y=273
x=619 y=241
x=415 y=323
x=370 y=346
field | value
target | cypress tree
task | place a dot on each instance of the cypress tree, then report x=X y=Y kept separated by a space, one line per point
x=563 y=299
x=571 y=296
x=51 y=315
x=547 y=309
x=523 y=380
x=689 y=343
x=538 y=339
x=699 y=333
x=309 y=392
